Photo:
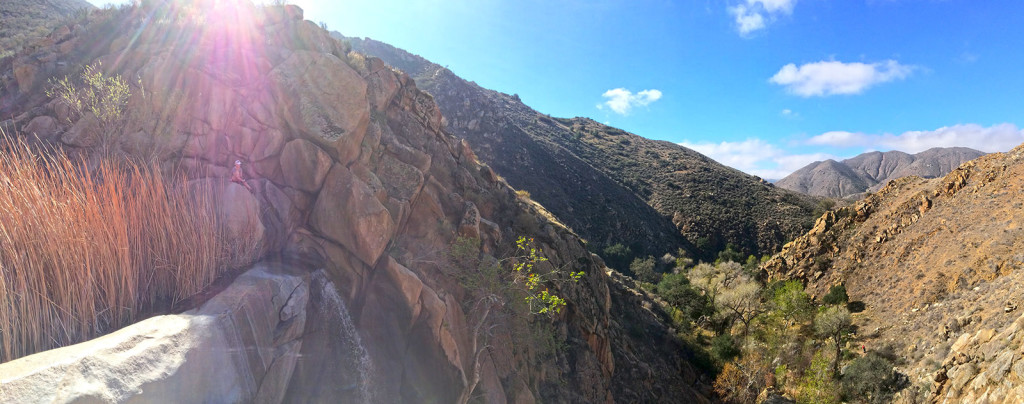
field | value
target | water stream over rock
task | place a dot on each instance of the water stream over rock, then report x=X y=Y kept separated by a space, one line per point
x=356 y=366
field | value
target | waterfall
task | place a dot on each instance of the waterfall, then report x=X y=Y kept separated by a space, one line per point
x=357 y=369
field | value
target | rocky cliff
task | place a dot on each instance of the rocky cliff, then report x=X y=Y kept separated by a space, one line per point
x=609 y=185
x=937 y=264
x=352 y=170
x=871 y=171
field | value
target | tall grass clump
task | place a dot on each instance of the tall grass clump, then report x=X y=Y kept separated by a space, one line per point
x=84 y=252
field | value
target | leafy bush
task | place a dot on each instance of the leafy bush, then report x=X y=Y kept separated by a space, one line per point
x=792 y=303
x=617 y=256
x=836 y=295
x=676 y=290
x=729 y=254
x=724 y=347
x=871 y=379
x=818 y=384
x=105 y=97
x=643 y=270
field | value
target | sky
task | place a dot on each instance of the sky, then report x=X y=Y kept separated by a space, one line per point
x=765 y=86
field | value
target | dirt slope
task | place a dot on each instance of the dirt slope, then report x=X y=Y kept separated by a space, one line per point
x=935 y=261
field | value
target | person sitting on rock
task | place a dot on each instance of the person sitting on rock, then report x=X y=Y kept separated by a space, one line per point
x=236 y=175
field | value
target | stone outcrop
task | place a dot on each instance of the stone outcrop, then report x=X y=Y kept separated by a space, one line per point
x=240 y=346
x=350 y=169
x=936 y=265
x=982 y=367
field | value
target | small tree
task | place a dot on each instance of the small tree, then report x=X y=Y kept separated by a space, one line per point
x=484 y=279
x=643 y=270
x=818 y=384
x=741 y=300
x=743 y=378
x=525 y=273
x=678 y=293
x=792 y=303
x=834 y=323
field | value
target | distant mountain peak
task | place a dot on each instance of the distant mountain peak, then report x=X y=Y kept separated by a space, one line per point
x=872 y=170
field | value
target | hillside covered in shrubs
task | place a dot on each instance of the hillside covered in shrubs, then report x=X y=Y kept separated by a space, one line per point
x=610 y=186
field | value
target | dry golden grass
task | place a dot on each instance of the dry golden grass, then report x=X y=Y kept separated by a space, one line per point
x=83 y=253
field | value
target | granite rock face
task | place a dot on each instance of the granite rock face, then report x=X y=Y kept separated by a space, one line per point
x=350 y=169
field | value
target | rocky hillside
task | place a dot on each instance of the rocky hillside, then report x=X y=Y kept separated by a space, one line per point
x=353 y=171
x=609 y=185
x=28 y=20
x=938 y=265
x=871 y=171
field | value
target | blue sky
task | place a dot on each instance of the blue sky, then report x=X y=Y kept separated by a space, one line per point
x=765 y=86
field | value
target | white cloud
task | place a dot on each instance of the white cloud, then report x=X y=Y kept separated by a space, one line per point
x=832 y=77
x=622 y=101
x=767 y=160
x=757 y=157
x=994 y=138
x=753 y=15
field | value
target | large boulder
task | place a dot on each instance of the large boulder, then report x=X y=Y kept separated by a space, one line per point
x=324 y=100
x=45 y=127
x=304 y=165
x=241 y=346
x=348 y=212
x=25 y=72
x=240 y=212
x=87 y=132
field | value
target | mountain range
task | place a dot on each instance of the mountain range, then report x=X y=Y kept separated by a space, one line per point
x=610 y=186
x=871 y=171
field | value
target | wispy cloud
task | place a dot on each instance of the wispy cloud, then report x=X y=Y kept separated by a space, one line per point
x=622 y=101
x=832 y=77
x=994 y=138
x=757 y=157
x=754 y=15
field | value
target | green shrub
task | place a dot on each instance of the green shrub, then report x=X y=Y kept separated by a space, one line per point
x=724 y=348
x=818 y=384
x=729 y=254
x=643 y=270
x=792 y=303
x=871 y=379
x=836 y=295
x=617 y=256
x=676 y=290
